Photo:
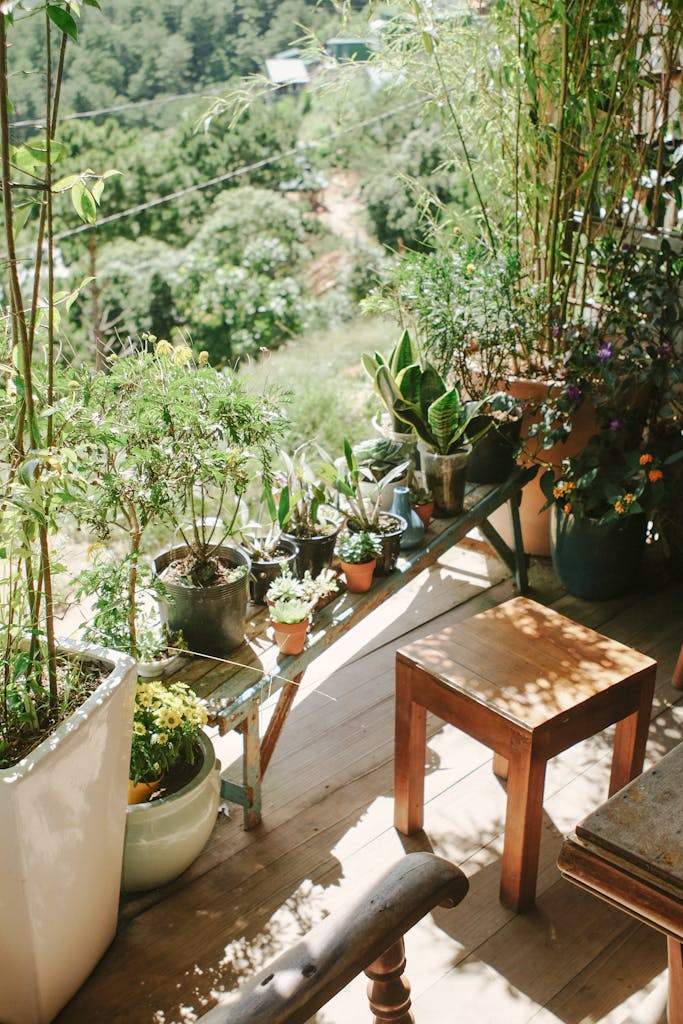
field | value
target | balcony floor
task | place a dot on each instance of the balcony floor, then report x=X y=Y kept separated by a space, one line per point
x=327 y=823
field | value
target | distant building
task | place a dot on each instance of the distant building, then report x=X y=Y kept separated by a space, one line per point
x=343 y=49
x=288 y=74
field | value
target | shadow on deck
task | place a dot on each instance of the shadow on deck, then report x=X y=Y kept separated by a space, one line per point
x=328 y=826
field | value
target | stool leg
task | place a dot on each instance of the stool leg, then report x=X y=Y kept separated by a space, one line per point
x=523 y=821
x=409 y=755
x=630 y=739
x=675 y=959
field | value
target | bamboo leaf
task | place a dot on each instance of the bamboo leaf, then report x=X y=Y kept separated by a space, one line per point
x=63 y=20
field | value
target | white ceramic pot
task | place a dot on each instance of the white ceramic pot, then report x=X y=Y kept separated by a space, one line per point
x=62 y=820
x=164 y=836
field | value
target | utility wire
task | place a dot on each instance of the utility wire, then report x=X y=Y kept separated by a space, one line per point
x=246 y=169
x=115 y=110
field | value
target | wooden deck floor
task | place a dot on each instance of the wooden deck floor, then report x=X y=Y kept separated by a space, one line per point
x=327 y=824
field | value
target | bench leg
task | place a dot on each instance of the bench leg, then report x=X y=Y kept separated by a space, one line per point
x=519 y=868
x=410 y=743
x=630 y=739
x=251 y=769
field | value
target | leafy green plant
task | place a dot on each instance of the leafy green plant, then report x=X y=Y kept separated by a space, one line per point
x=167 y=438
x=304 y=506
x=383 y=372
x=107 y=582
x=357 y=548
x=167 y=722
x=420 y=397
x=364 y=504
x=38 y=475
x=292 y=600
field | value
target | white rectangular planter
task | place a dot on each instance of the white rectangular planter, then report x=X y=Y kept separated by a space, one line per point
x=62 y=822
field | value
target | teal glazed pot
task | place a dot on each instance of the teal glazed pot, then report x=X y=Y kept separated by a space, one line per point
x=593 y=560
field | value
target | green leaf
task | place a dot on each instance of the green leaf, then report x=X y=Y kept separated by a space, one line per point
x=83 y=202
x=92 y=3
x=63 y=20
x=64 y=184
x=97 y=190
x=404 y=354
x=446 y=421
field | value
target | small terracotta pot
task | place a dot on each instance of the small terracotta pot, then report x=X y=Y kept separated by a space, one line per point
x=358 y=575
x=425 y=512
x=138 y=792
x=290 y=636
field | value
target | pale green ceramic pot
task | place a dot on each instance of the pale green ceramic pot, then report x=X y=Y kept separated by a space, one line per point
x=164 y=836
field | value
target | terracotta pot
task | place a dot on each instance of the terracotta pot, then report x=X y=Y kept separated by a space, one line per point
x=425 y=512
x=536 y=523
x=358 y=575
x=138 y=792
x=290 y=636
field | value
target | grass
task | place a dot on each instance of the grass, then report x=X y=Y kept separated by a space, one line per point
x=331 y=396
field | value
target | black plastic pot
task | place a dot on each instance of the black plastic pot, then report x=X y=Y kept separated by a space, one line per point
x=492 y=458
x=211 y=618
x=313 y=553
x=263 y=573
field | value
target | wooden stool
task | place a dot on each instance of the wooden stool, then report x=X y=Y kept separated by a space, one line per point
x=528 y=683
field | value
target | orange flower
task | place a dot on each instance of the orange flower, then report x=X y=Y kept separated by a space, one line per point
x=654 y=475
x=629 y=499
x=619 y=507
x=567 y=508
x=645 y=459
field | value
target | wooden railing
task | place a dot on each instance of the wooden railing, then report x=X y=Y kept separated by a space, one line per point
x=364 y=935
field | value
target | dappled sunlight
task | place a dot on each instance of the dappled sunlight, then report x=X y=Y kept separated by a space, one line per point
x=490 y=658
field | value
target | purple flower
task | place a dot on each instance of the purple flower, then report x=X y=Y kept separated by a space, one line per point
x=556 y=331
x=605 y=351
x=574 y=394
x=617 y=424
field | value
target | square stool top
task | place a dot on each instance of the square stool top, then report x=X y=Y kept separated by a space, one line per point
x=524 y=661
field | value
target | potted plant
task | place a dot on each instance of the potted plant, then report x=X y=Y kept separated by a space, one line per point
x=422 y=500
x=443 y=424
x=174 y=787
x=104 y=589
x=292 y=603
x=268 y=550
x=203 y=438
x=305 y=512
x=65 y=708
x=403 y=354
x=358 y=554
x=363 y=511
x=601 y=501
x=390 y=462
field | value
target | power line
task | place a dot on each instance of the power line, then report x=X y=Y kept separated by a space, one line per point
x=238 y=172
x=114 y=110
